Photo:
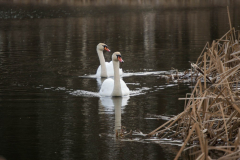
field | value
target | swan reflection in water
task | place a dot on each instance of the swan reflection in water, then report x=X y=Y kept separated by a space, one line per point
x=108 y=104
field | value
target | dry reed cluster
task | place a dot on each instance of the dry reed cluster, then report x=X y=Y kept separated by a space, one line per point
x=211 y=118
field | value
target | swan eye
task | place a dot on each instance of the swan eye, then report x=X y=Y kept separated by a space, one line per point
x=106 y=48
x=119 y=57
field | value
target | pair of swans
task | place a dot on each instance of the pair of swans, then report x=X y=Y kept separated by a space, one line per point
x=111 y=87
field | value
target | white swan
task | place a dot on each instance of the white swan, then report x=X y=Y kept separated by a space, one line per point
x=116 y=87
x=106 y=68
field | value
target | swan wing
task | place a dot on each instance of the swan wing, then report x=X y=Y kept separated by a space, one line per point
x=110 y=71
x=124 y=88
x=107 y=87
x=109 y=66
x=120 y=71
x=98 y=73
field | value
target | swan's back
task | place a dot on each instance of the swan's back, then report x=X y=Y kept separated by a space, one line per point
x=108 y=85
x=125 y=89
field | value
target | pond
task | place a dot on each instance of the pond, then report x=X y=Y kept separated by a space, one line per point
x=50 y=106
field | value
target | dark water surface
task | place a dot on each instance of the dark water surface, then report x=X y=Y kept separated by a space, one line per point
x=48 y=111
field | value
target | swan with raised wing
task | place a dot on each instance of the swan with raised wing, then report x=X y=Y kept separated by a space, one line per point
x=116 y=86
x=106 y=68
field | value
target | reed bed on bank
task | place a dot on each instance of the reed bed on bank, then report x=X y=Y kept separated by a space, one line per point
x=211 y=118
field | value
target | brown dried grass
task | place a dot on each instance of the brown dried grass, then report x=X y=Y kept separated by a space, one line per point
x=212 y=113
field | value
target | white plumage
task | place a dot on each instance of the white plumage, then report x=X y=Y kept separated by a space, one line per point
x=110 y=71
x=108 y=85
x=106 y=68
x=116 y=86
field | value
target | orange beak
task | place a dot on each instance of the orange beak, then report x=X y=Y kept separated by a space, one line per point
x=120 y=59
x=105 y=48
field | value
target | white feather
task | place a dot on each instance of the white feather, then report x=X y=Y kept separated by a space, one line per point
x=116 y=86
x=107 y=88
x=110 y=71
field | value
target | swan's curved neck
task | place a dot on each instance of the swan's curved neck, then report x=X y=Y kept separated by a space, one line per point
x=102 y=63
x=117 y=91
